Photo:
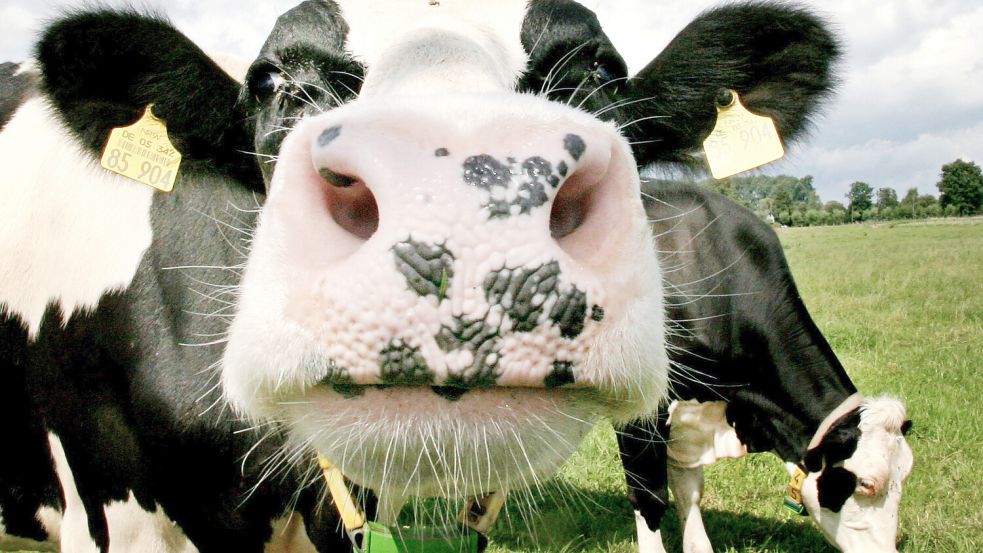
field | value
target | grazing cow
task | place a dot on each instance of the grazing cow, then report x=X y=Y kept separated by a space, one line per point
x=451 y=277
x=753 y=373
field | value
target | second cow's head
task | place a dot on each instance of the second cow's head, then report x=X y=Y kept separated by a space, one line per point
x=453 y=277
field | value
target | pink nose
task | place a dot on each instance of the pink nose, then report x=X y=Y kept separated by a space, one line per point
x=433 y=252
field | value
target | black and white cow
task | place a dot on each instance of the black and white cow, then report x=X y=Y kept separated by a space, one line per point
x=753 y=373
x=451 y=278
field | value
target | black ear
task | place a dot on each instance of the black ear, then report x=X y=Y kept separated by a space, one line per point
x=778 y=58
x=839 y=444
x=100 y=69
x=906 y=427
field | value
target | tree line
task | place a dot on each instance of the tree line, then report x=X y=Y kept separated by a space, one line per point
x=793 y=201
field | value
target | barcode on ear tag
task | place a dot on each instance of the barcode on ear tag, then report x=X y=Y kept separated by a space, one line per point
x=741 y=141
x=143 y=153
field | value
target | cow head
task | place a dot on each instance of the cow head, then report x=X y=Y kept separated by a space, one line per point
x=856 y=474
x=453 y=276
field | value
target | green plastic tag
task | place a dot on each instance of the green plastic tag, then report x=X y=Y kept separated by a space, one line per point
x=377 y=538
x=795 y=507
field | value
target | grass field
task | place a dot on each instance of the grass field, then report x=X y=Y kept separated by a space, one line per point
x=902 y=305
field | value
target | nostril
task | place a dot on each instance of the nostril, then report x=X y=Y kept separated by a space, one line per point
x=350 y=203
x=335 y=179
x=570 y=207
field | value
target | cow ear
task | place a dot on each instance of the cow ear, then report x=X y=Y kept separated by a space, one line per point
x=839 y=444
x=813 y=459
x=778 y=58
x=101 y=69
x=906 y=427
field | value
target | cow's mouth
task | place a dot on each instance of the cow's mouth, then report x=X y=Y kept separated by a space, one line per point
x=411 y=441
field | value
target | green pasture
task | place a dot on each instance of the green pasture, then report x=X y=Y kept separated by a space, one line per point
x=902 y=305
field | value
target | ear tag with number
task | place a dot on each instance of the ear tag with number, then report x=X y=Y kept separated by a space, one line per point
x=740 y=140
x=143 y=152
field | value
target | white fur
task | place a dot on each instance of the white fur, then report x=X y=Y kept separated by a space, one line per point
x=687 y=490
x=648 y=541
x=289 y=536
x=469 y=30
x=700 y=434
x=70 y=231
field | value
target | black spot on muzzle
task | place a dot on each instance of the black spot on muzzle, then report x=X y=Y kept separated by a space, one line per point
x=574 y=145
x=328 y=135
x=402 y=365
x=428 y=268
x=561 y=374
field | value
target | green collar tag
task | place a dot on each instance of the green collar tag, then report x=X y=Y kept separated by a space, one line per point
x=795 y=507
x=378 y=538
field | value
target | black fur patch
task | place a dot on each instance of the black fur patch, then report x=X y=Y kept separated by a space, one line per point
x=441 y=152
x=428 y=268
x=838 y=445
x=402 y=365
x=835 y=486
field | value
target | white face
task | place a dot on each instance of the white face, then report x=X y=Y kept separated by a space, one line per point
x=868 y=520
x=450 y=282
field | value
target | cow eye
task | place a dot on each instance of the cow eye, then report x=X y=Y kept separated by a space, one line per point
x=602 y=72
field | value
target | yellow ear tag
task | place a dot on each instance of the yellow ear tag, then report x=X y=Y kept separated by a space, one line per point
x=143 y=152
x=740 y=140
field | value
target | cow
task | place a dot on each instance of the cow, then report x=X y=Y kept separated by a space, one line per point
x=752 y=372
x=412 y=242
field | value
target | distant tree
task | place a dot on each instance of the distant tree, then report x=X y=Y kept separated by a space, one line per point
x=908 y=203
x=833 y=206
x=961 y=186
x=886 y=197
x=781 y=204
x=860 y=197
x=926 y=201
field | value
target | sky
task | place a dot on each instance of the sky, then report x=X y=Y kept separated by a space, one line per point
x=910 y=99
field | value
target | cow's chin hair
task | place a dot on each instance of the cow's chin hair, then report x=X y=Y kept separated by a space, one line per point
x=405 y=442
